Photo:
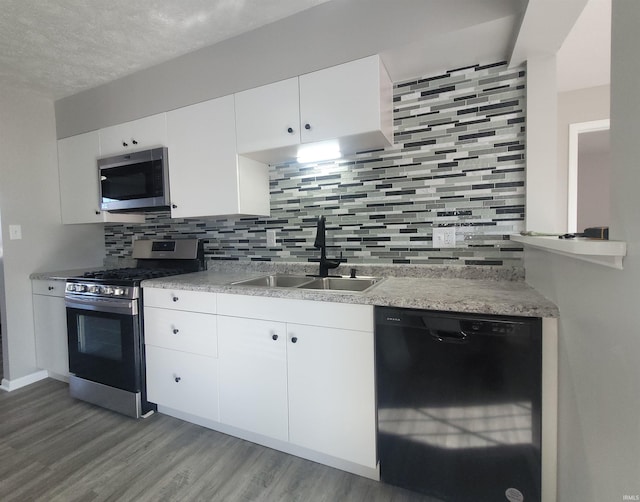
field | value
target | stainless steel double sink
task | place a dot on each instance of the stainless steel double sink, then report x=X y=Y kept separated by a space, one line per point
x=353 y=284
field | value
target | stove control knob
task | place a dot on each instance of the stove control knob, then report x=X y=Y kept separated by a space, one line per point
x=107 y=290
x=118 y=292
x=70 y=287
x=81 y=288
x=94 y=289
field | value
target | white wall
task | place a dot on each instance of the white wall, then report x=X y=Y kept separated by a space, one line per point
x=29 y=196
x=582 y=105
x=541 y=189
x=599 y=337
x=594 y=185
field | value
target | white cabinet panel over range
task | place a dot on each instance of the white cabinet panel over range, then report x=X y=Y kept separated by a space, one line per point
x=138 y=134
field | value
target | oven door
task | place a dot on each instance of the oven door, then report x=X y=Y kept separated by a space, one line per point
x=105 y=341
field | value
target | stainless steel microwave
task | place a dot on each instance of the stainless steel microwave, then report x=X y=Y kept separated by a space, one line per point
x=135 y=181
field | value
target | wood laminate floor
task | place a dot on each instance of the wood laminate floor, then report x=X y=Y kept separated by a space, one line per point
x=55 y=448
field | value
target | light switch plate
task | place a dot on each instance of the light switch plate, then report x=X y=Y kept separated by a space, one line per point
x=444 y=237
x=271 y=238
x=15 y=232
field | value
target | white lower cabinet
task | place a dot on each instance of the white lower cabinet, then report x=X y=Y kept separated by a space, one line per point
x=315 y=388
x=295 y=375
x=253 y=375
x=50 y=326
x=182 y=381
x=331 y=391
x=182 y=351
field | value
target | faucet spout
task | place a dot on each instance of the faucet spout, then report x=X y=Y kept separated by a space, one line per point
x=320 y=243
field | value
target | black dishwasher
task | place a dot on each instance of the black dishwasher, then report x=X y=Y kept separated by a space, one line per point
x=459 y=404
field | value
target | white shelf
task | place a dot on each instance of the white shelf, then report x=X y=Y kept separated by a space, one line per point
x=607 y=253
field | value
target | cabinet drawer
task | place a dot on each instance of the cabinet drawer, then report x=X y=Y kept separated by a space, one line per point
x=185 y=331
x=51 y=288
x=315 y=313
x=178 y=299
x=184 y=382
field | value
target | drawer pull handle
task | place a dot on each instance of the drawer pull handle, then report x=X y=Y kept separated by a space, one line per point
x=51 y=288
x=274 y=337
x=176 y=331
x=177 y=379
x=175 y=298
x=294 y=339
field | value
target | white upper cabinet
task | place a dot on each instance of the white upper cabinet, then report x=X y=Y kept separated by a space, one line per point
x=78 y=175
x=268 y=117
x=351 y=103
x=206 y=175
x=138 y=134
x=348 y=100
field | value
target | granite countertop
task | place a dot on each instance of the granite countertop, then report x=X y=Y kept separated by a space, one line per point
x=62 y=275
x=455 y=289
x=486 y=296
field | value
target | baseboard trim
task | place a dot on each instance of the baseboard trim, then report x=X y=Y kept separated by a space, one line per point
x=17 y=383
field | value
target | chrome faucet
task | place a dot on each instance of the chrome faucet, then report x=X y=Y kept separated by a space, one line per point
x=320 y=243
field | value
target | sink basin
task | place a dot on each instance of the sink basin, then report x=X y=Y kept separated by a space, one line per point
x=276 y=281
x=359 y=284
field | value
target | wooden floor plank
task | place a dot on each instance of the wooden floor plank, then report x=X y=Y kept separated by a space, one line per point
x=54 y=448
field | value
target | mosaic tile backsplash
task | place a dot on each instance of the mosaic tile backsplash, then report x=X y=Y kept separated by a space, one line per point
x=458 y=161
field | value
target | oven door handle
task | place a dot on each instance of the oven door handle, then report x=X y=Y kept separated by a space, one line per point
x=109 y=305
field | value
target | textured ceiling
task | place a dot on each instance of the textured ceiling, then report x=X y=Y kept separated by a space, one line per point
x=60 y=47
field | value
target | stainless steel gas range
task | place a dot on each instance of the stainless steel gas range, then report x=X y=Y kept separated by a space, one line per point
x=105 y=325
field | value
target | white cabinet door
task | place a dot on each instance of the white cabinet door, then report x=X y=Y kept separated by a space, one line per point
x=207 y=177
x=343 y=100
x=182 y=381
x=253 y=375
x=331 y=392
x=138 y=134
x=78 y=171
x=268 y=116
x=50 y=326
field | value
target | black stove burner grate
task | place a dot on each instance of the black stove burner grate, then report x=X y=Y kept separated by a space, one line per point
x=132 y=274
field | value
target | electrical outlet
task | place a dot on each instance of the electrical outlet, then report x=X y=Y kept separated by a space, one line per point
x=15 y=232
x=444 y=237
x=271 y=238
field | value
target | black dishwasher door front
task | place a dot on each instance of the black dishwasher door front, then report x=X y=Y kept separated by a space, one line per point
x=459 y=404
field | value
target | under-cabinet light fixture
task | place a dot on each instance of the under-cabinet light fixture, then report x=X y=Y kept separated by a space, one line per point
x=316 y=152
